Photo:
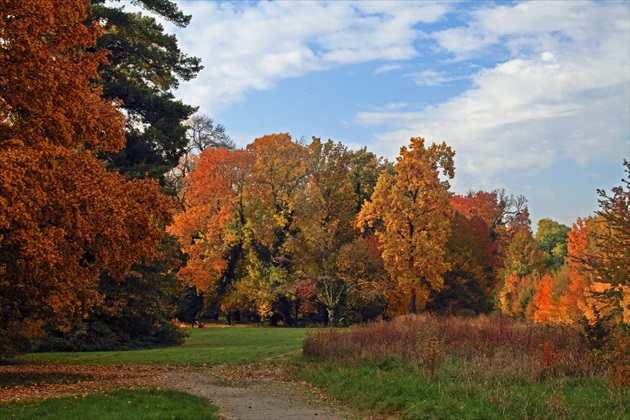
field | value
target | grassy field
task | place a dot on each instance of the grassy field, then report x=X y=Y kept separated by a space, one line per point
x=414 y=367
x=487 y=368
x=122 y=404
x=206 y=346
x=209 y=346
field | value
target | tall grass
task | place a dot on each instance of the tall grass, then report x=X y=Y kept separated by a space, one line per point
x=489 y=346
x=429 y=367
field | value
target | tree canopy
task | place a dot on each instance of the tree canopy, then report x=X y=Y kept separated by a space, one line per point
x=411 y=212
x=63 y=218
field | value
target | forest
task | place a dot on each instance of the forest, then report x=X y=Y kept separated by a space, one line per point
x=124 y=212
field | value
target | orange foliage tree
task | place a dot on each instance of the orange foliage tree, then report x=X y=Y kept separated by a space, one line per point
x=544 y=305
x=63 y=218
x=411 y=211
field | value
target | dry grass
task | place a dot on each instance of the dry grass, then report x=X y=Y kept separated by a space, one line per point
x=492 y=347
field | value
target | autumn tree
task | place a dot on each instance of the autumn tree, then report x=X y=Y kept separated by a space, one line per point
x=411 y=211
x=63 y=218
x=202 y=133
x=523 y=265
x=544 y=306
x=241 y=214
x=471 y=254
x=609 y=263
x=326 y=223
x=212 y=226
x=281 y=171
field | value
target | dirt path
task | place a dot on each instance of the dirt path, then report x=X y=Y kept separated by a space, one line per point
x=255 y=392
x=256 y=399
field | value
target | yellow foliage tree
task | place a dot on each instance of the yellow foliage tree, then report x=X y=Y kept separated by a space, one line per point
x=411 y=212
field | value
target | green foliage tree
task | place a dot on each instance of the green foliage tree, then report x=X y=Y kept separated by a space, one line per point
x=551 y=237
x=145 y=65
x=411 y=211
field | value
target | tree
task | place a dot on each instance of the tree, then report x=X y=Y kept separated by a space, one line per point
x=326 y=223
x=211 y=227
x=365 y=169
x=609 y=264
x=203 y=133
x=63 y=218
x=145 y=65
x=471 y=254
x=551 y=237
x=543 y=301
x=572 y=304
x=240 y=215
x=523 y=265
x=411 y=211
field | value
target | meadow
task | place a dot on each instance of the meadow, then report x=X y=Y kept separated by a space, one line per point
x=415 y=367
x=422 y=367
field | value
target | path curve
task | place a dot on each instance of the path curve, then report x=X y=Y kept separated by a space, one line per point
x=257 y=399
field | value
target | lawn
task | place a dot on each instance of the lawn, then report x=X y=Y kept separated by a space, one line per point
x=205 y=346
x=121 y=404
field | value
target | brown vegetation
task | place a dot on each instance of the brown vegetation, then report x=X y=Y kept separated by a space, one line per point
x=486 y=346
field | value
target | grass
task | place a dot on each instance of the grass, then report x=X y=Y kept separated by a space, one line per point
x=123 y=404
x=420 y=367
x=205 y=346
x=426 y=367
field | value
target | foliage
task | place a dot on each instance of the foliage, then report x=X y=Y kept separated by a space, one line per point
x=259 y=224
x=472 y=255
x=411 y=212
x=63 y=218
x=135 y=312
x=145 y=65
x=551 y=237
x=610 y=263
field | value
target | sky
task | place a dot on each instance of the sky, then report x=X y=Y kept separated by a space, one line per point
x=534 y=97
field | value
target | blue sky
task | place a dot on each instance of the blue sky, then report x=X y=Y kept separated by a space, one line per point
x=533 y=96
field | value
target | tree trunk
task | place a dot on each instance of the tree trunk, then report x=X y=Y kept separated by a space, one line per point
x=412 y=301
x=332 y=319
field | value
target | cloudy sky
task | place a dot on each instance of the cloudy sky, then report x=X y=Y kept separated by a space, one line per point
x=533 y=96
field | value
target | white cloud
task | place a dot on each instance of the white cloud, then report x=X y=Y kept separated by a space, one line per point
x=387 y=68
x=561 y=93
x=249 y=46
x=430 y=78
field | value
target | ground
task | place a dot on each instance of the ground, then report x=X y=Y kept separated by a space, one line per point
x=242 y=392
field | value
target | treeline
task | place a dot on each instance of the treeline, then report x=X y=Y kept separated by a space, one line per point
x=283 y=230
x=120 y=209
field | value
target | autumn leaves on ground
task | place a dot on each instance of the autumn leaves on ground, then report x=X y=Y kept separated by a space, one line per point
x=122 y=214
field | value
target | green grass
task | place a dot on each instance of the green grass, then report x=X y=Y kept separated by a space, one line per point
x=204 y=346
x=137 y=404
x=385 y=390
